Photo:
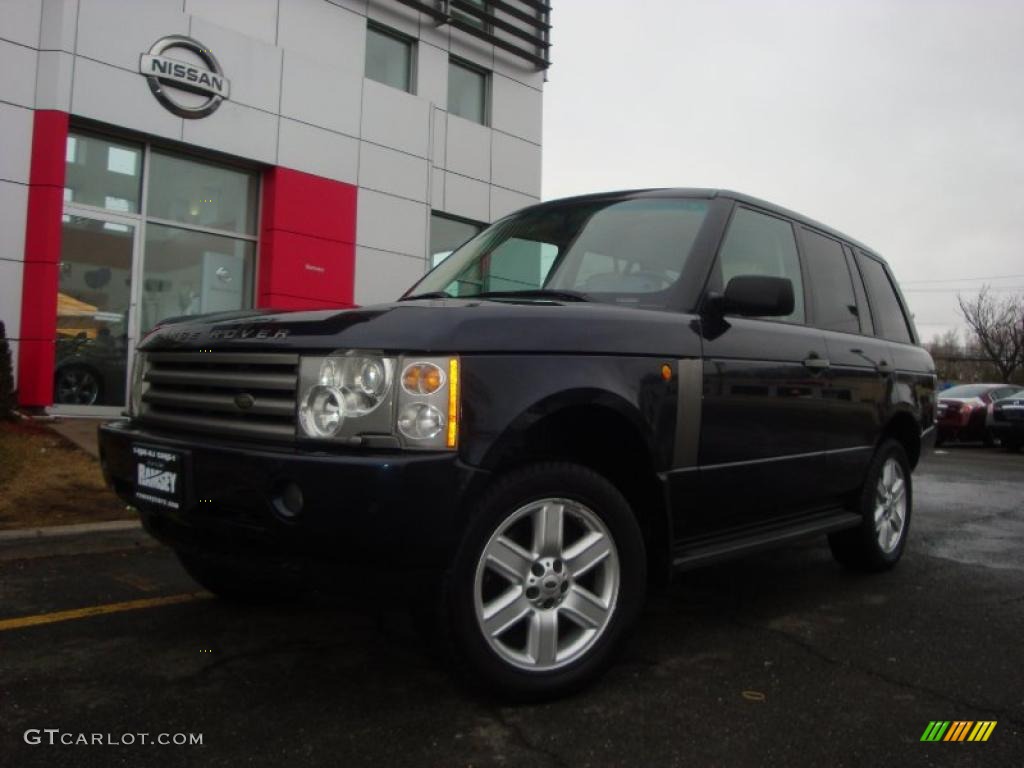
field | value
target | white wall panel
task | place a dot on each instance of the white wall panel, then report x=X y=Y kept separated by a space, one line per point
x=59 y=23
x=120 y=98
x=504 y=202
x=117 y=32
x=468 y=148
x=11 y=273
x=253 y=68
x=359 y=6
x=237 y=130
x=323 y=31
x=472 y=49
x=397 y=17
x=438 y=36
x=20 y=21
x=396 y=173
x=518 y=69
x=394 y=118
x=13 y=210
x=253 y=18
x=436 y=188
x=516 y=108
x=319 y=95
x=53 y=80
x=391 y=223
x=440 y=136
x=468 y=198
x=432 y=75
x=516 y=164
x=17 y=74
x=314 y=150
x=382 y=276
x=16 y=133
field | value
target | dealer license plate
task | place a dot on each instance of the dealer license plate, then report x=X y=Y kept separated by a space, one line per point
x=158 y=476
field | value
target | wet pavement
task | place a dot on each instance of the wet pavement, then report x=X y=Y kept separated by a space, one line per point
x=781 y=659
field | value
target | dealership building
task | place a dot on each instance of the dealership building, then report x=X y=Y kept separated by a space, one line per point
x=163 y=158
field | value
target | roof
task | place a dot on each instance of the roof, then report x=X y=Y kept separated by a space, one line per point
x=710 y=194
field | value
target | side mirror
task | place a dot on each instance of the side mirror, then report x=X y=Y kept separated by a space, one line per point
x=755 y=296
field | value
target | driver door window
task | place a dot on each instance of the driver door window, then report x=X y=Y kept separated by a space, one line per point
x=757 y=244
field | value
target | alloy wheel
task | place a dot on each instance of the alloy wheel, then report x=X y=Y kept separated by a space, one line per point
x=890 y=505
x=546 y=584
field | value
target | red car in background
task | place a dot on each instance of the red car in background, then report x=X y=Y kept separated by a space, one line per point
x=962 y=411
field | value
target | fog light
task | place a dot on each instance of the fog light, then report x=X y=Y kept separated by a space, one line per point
x=288 y=502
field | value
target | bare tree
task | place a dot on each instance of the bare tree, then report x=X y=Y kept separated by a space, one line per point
x=998 y=328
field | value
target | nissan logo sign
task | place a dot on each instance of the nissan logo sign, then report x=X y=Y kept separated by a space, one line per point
x=167 y=74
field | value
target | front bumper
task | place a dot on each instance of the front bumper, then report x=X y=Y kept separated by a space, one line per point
x=392 y=511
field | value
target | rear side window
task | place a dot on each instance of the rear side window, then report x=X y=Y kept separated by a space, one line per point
x=757 y=244
x=890 y=322
x=835 y=304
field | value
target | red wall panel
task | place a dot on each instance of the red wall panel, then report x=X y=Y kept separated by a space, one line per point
x=42 y=255
x=307 y=241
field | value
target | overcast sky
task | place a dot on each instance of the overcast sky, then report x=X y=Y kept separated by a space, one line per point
x=900 y=123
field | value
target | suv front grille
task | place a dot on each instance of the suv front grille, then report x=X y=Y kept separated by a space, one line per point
x=236 y=394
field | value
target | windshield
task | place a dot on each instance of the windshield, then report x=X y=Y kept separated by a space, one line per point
x=627 y=251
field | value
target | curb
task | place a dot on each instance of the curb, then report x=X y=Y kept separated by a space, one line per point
x=59 y=531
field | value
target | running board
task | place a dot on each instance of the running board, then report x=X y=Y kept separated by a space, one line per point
x=699 y=554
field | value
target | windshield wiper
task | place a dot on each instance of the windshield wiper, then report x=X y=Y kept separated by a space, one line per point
x=430 y=295
x=530 y=293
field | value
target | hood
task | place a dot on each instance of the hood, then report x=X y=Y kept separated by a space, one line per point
x=443 y=326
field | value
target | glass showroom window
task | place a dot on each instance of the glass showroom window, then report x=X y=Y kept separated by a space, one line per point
x=104 y=173
x=447 y=234
x=467 y=91
x=200 y=244
x=389 y=58
x=130 y=260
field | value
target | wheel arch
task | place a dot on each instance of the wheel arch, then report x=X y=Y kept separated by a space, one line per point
x=903 y=428
x=603 y=432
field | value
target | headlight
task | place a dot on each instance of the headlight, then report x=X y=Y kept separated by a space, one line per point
x=420 y=421
x=353 y=397
x=346 y=395
x=322 y=411
x=362 y=382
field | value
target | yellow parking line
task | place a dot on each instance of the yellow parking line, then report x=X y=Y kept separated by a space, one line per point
x=98 y=610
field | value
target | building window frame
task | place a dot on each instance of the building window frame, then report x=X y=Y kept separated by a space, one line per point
x=434 y=213
x=409 y=42
x=486 y=74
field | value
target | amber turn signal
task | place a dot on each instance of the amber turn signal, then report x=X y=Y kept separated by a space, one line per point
x=422 y=378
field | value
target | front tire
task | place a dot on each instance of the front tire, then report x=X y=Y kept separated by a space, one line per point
x=885 y=503
x=547 y=581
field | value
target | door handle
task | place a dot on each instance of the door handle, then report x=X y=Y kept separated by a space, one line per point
x=816 y=363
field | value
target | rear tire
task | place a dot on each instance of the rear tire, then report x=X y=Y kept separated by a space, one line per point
x=885 y=504
x=1011 y=444
x=548 y=579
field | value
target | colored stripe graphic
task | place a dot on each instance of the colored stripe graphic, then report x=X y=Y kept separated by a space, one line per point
x=935 y=730
x=958 y=730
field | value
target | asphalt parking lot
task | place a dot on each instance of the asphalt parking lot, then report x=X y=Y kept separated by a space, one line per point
x=783 y=659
